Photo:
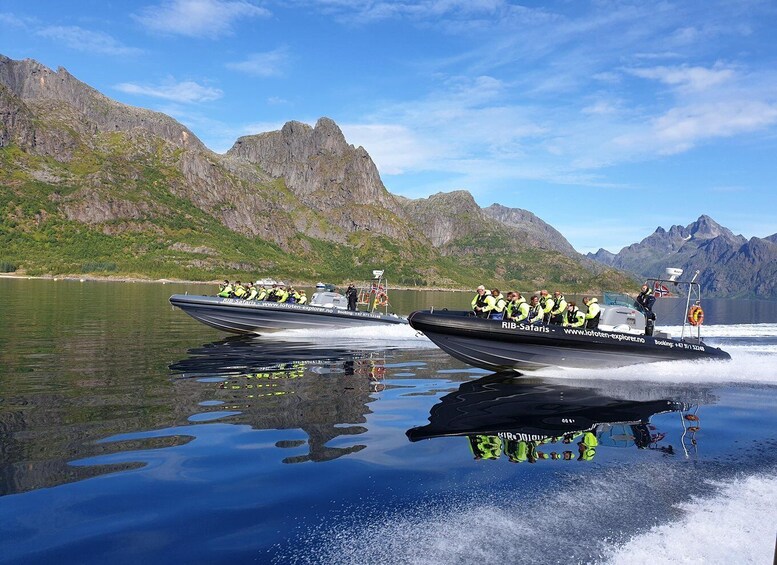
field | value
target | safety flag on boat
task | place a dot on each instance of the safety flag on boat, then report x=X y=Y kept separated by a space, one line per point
x=660 y=290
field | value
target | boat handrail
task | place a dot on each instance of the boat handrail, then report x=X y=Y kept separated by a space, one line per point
x=693 y=294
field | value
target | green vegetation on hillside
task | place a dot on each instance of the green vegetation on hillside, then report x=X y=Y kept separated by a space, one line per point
x=160 y=234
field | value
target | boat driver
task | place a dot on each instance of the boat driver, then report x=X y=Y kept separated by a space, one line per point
x=593 y=314
x=646 y=299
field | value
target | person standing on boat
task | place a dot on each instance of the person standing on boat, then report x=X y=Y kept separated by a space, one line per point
x=646 y=299
x=351 y=295
x=547 y=303
x=480 y=301
x=574 y=317
x=535 y=311
x=593 y=314
x=559 y=308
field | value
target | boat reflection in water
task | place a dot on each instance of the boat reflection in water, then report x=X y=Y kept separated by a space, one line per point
x=287 y=387
x=530 y=420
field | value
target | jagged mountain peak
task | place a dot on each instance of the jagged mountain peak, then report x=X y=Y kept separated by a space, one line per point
x=707 y=228
x=730 y=265
x=34 y=84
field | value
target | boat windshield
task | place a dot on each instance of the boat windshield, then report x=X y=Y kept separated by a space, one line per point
x=621 y=299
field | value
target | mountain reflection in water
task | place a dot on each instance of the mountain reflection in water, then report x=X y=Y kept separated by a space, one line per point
x=529 y=421
x=288 y=386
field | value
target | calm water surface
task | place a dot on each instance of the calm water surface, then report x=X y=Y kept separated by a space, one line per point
x=129 y=432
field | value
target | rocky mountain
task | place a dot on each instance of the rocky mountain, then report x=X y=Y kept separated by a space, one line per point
x=88 y=184
x=729 y=265
x=531 y=228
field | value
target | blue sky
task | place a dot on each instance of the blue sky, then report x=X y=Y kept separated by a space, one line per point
x=606 y=119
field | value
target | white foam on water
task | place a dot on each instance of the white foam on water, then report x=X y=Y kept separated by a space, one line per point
x=737 y=525
x=588 y=521
x=733 y=330
x=745 y=367
x=752 y=361
x=389 y=336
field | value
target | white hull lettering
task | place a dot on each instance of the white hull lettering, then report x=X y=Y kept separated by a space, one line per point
x=525 y=327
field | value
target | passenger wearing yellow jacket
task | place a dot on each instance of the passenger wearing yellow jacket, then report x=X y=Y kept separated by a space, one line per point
x=535 y=311
x=594 y=312
x=282 y=293
x=262 y=295
x=226 y=289
x=546 y=303
x=486 y=311
x=252 y=292
x=587 y=446
x=303 y=299
x=519 y=308
x=574 y=318
x=559 y=308
x=479 y=302
x=485 y=447
x=509 y=307
x=240 y=290
x=496 y=306
x=517 y=451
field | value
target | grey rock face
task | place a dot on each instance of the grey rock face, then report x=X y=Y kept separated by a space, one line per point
x=37 y=84
x=325 y=173
x=537 y=232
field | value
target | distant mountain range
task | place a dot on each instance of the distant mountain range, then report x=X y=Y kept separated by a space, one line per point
x=90 y=185
x=729 y=265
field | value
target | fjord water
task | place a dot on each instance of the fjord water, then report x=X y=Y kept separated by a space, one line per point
x=129 y=432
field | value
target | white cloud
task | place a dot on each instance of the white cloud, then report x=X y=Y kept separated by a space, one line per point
x=270 y=63
x=277 y=101
x=394 y=148
x=367 y=11
x=601 y=107
x=682 y=128
x=198 y=18
x=184 y=92
x=8 y=19
x=686 y=77
x=86 y=40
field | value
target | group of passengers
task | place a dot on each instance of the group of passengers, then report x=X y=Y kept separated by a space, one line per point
x=519 y=451
x=250 y=291
x=541 y=308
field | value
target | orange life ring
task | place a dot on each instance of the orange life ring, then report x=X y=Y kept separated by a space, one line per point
x=381 y=299
x=696 y=315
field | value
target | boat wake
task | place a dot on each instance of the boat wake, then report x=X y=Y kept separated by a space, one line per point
x=366 y=337
x=752 y=347
x=726 y=520
x=733 y=526
x=750 y=368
